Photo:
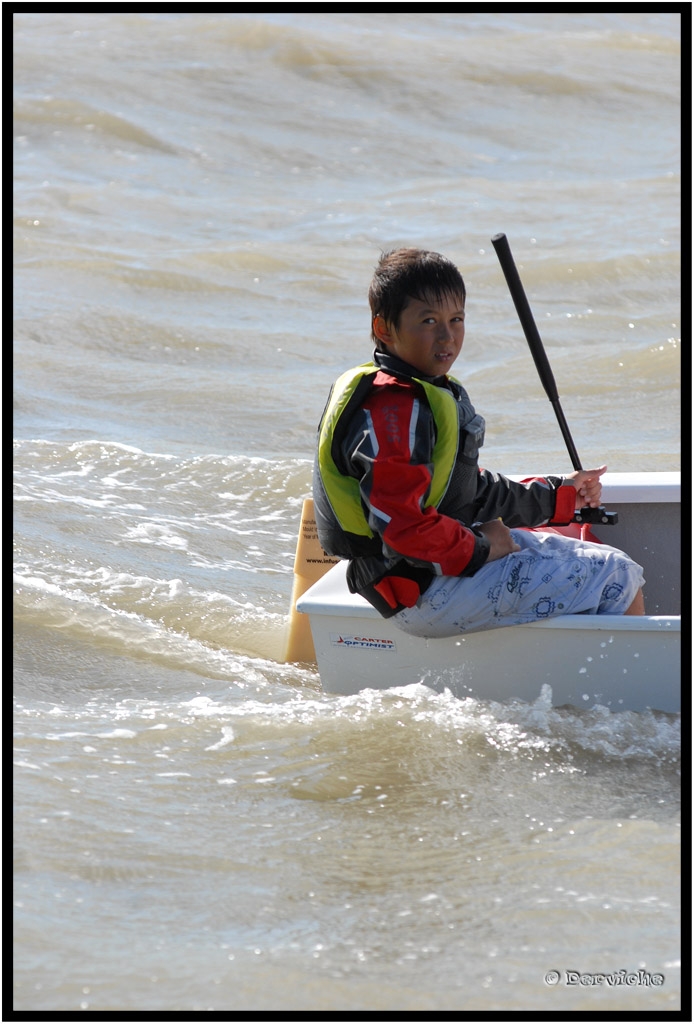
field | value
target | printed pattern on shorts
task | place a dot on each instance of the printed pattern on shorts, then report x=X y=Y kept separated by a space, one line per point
x=551 y=575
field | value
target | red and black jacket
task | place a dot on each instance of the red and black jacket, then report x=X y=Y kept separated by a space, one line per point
x=385 y=441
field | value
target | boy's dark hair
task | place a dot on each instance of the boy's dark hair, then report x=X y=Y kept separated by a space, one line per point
x=404 y=274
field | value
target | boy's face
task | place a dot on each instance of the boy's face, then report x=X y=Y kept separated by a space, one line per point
x=429 y=336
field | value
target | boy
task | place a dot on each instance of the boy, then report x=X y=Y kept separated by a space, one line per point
x=430 y=536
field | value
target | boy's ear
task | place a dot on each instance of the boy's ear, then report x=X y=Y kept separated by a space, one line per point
x=380 y=329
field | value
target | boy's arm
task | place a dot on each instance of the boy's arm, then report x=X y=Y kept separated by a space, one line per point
x=537 y=501
x=391 y=454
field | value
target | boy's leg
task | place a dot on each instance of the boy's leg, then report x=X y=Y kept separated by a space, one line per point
x=637 y=606
x=551 y=575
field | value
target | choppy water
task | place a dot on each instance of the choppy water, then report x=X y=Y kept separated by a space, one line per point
x=199 y=201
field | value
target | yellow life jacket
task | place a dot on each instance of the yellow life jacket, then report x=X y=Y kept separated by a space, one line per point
x=343 y=491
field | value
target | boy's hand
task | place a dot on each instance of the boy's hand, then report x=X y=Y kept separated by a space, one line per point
x=588 y=486
x=500 y=539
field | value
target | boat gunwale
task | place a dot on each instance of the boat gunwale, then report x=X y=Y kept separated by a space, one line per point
x=347 y=607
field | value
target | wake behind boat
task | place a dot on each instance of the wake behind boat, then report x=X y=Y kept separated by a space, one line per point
x=629 y=663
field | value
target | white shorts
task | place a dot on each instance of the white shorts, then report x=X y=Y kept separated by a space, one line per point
x=551 y=575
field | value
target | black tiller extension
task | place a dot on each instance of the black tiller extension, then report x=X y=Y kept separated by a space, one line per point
x=500 y=242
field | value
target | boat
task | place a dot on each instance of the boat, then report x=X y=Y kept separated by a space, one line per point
x=624 y=663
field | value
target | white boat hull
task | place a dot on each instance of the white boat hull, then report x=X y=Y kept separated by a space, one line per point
x=628 y=663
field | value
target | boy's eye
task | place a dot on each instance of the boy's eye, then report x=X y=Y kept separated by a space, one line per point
x=454 y=319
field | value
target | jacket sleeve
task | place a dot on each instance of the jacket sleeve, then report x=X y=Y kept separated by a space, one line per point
x=537 y=501
x=389 y=448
